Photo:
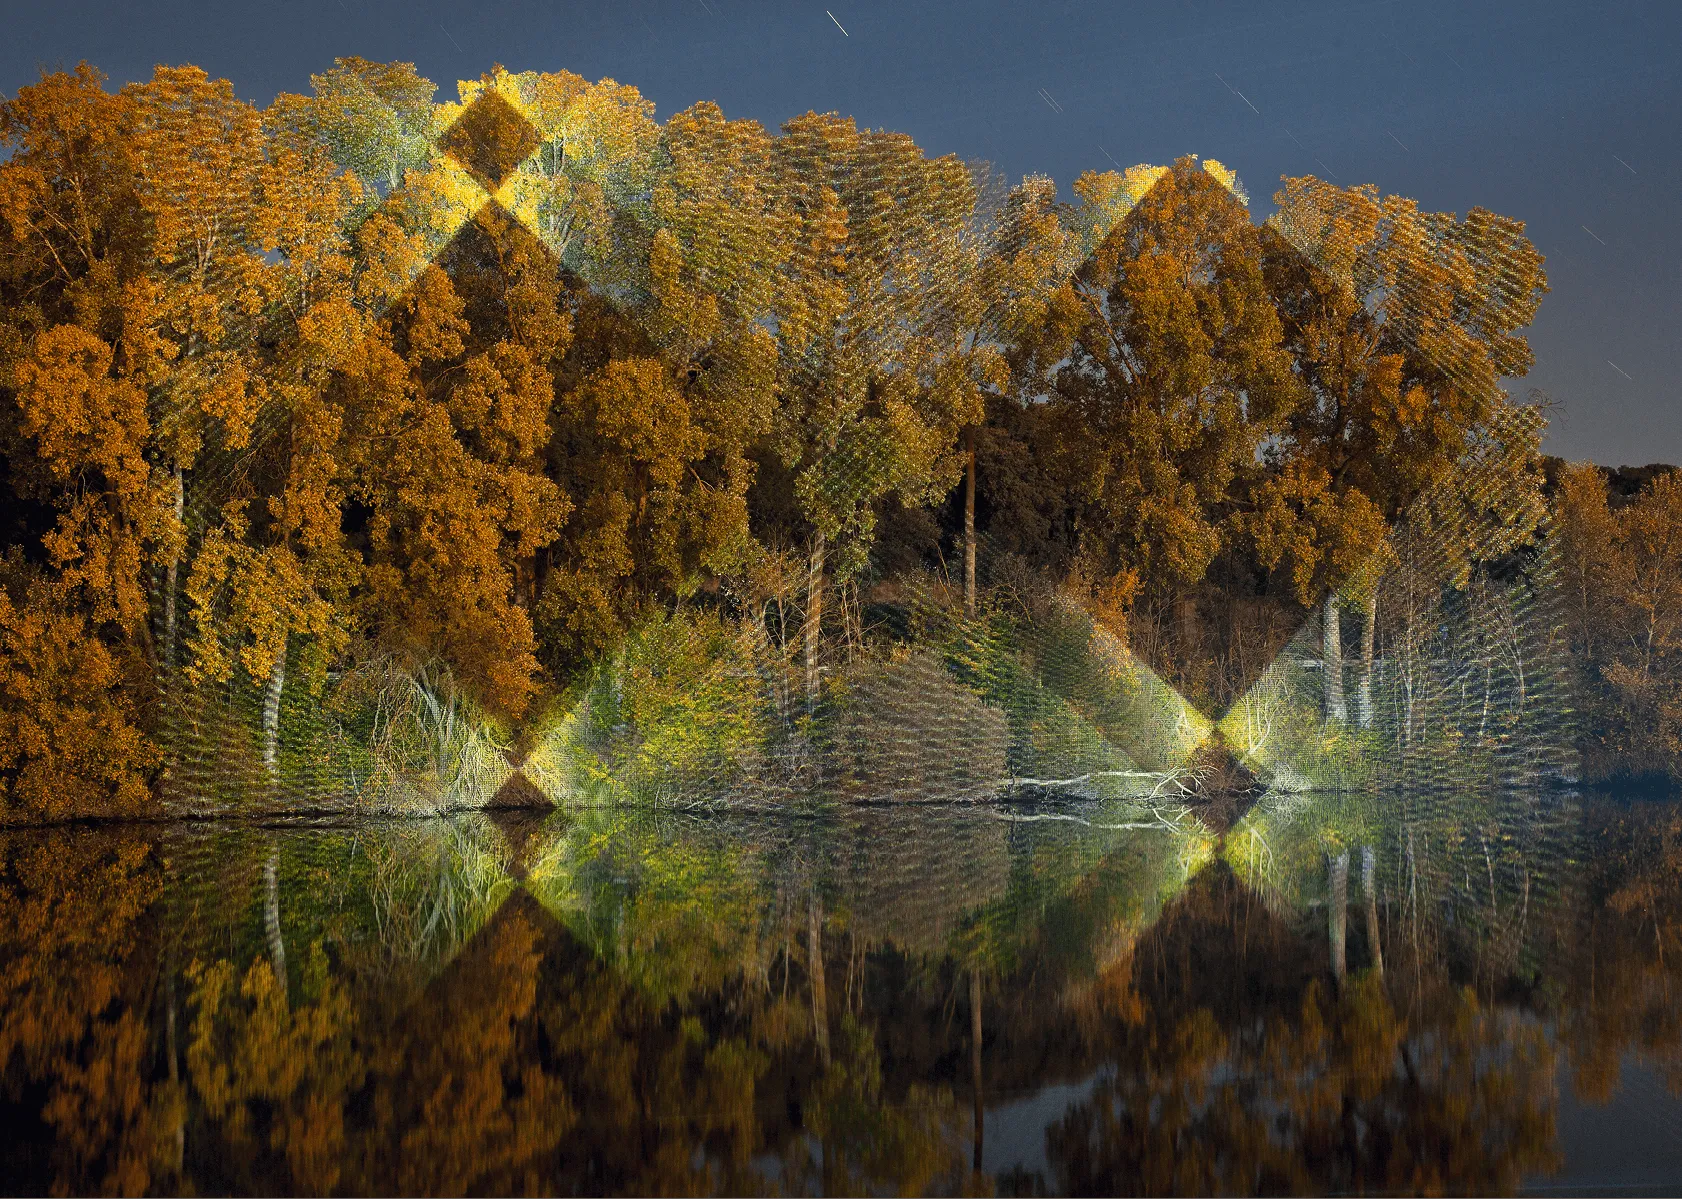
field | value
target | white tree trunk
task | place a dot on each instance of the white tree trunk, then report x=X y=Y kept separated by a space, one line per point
x=1369 y=638
x=271 y=713
x=1413 y=897
x=814 y=966
x=178 y=1130
x=271 y=916
x=1408 y=657
x=1332 y=654
x=1337 y=910
x=1369 y=884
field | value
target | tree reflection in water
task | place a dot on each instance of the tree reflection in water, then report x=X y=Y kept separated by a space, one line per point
x=608 y=1002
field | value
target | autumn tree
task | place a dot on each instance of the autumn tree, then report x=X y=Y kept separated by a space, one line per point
x=1623 y=582
x=276 y=565
x=871 y=399
x=192 y=230
x=81 y=354
x=491 y=381
x=445 y=411
x=374 y=119
x=1163 y=373
x=1013 y=257
x=658 y=368
x=1652 y=540
x=1400 y=324
x=1588 y=536
x=421 y=377
x=200 y=152
x=1032 y=449
x=671 y=380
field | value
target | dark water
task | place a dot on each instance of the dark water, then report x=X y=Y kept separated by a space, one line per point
x=1080 y=999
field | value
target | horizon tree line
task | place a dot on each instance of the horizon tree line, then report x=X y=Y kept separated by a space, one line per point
x=362 y=375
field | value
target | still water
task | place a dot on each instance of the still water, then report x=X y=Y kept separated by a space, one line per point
x=1331 y=993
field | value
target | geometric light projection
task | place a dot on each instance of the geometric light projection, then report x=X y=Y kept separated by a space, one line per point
x=407 y=736
x=1457 y=675
x=1439 y=661
x=1446 y=636
x=1418 y=873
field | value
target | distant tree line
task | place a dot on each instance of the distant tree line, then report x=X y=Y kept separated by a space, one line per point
x=1621 y=553
x=284 y=390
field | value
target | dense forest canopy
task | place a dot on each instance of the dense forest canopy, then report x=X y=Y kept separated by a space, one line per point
x=364 y=382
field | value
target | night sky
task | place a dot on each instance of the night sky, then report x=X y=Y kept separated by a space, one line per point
x=1568 y=116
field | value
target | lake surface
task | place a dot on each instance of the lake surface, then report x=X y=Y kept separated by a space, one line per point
x=1333 y=993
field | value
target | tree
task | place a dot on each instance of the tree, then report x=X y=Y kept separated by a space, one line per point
x=1487 y=508
x=1028 y=445
x=1588 y=538
x=1623 y=582
x=870 y=402
x=374 y=119
x=200 y=152
x=446 y=414
x=673 y=380
x=250 y=599
x=587 y=190
x=80 y=352
x=1163 y=374
x=140 y=224
x=1017 y=255
x=248 y=225
x=1399 y=324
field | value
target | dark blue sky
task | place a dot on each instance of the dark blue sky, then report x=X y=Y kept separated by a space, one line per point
x=1567 y=115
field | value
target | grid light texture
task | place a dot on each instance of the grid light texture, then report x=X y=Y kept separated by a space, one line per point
x=1465 y=644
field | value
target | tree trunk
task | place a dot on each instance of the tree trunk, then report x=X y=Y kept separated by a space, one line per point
x=969 y=527
x=1331 y=640
x=1517 y=644
x=271 y=713
x=1413 y=900
x=975 y=1058
x=1407 y=707
x=271 y=917
x=775 y=677
x=178 y=1132
x=1369 y=638
x=814 y=617
x=1410 y=664
x=814 y=966
x=1337 y=906
x=1369 y=884
x=1187 y=635
x=173 y=575
x=1488 y=677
